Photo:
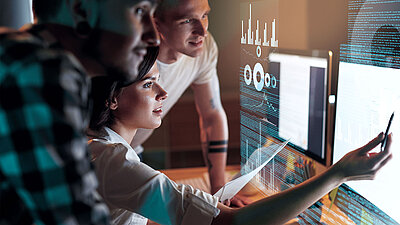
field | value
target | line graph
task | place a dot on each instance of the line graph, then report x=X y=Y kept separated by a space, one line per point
x=263 y=102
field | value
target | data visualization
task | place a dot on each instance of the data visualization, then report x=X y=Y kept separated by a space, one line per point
x=289 y=101
x=248 y=38
x=284 y=97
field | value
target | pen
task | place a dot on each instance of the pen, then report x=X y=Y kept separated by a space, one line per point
x=383 y=145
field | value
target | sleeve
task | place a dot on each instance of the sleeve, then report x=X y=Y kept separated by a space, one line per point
x=207 y=61
x=136 y=187
x=44 y=156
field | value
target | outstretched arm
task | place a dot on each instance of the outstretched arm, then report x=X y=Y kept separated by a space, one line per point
x=359 y=164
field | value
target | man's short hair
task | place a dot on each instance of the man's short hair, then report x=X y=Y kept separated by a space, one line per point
x=165 y=5
x=46 y=9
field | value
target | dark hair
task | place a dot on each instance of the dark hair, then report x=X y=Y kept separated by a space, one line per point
x=105 y=89
x=45 y=9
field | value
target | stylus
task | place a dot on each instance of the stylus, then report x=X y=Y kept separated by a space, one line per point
x=383 y=145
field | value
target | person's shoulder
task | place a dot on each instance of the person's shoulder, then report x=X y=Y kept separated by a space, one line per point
x=29 y=62
x=17 y=47
x=20 y=50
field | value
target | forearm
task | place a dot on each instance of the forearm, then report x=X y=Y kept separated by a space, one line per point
x=214 y=146
x=214 y=130
x=216 y=169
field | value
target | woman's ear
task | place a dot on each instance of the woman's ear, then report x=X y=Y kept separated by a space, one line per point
x=113 y=105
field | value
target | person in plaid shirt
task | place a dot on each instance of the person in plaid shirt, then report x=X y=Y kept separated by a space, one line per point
x=45 y=173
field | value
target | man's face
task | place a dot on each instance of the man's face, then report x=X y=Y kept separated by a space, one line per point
x=184 y=27
x=125 y=29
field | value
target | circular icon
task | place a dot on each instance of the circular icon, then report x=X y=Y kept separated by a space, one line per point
x=258 y=69
x=273 y=82
x=258 y=51
x=267 y=80
x=247 y=69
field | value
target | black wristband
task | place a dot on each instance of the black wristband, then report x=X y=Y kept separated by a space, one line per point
x=217 y=150
x=213 y=143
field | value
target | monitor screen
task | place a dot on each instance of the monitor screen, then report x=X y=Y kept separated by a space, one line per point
x=302 y=100
x=288 y=101
x=366 y=97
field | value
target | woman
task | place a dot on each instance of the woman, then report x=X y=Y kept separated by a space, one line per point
x=128 y=186
x=125 y=184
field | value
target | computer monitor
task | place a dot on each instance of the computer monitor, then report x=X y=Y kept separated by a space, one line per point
x=290 y=99
x=366 y=97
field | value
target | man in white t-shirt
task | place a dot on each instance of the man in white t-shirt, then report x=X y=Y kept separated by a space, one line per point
x=188 y=57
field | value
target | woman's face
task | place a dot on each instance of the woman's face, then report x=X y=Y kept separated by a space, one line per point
x=139 y=105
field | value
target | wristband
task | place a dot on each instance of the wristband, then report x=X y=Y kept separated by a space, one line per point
x=213 y=143
x=217 y=150
x=218 y=146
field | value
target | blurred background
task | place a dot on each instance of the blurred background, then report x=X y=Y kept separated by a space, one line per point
x=303 y=25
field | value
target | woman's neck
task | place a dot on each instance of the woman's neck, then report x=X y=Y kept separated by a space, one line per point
x=127 y=133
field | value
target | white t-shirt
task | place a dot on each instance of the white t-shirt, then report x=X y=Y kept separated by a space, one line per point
x=129 y=187
x=176 y=77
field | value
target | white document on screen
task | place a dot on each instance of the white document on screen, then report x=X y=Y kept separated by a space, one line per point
x=259 y=158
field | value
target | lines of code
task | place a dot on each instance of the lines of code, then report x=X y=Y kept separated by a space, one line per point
x=374 y=33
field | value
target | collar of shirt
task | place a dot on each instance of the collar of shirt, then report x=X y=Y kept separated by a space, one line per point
x=115 y=138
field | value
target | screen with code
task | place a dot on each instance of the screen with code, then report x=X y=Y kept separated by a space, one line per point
x=277 y=104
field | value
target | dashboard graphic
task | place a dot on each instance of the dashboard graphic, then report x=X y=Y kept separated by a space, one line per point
x=283 y=96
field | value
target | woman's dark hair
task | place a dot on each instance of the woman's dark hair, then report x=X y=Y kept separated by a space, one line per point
x=105 y=89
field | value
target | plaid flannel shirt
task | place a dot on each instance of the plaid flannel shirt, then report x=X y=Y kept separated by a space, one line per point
x=45 y=173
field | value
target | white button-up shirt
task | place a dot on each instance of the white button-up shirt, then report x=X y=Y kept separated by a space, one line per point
x=132 y=190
